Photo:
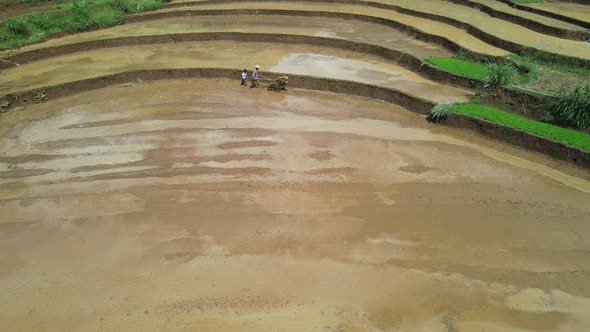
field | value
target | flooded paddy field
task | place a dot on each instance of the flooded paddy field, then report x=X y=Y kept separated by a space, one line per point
x=202 y=205
x=574 y=10
x=294 y=59
x=459 y=36
x=497 y=27
x=532 y=16
x=362 y=32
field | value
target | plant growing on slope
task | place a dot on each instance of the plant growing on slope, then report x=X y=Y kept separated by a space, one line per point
x=17 y=27
x=124 y=6
x=43 y=21
x=440 y=111
x=80 y=11
x=571 y=108
x=500 y=74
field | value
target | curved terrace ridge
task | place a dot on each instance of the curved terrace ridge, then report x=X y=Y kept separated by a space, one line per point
x=413 y=103
x=514 y=101
x=573 y=34
x=489 y=38
x=401 y=58
x=569 y=19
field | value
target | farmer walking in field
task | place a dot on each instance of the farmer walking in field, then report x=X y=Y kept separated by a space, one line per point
x=255 y=77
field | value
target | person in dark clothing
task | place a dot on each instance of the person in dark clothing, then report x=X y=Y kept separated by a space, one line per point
x=255 y=76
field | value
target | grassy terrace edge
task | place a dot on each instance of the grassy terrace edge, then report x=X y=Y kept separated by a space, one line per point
x=459 y=67
x=566 y=136
x=75 y=16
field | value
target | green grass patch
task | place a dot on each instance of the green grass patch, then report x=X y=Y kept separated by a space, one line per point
x=460 y=67
x=566 y=136
x=73 y=16
x=538 y=59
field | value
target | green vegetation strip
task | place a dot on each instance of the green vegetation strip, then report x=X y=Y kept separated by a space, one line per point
x=75 y=16
x=566 y=136
x=528 y=1
x=460 y=67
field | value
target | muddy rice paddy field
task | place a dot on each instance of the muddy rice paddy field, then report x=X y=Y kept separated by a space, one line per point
x=196 y=204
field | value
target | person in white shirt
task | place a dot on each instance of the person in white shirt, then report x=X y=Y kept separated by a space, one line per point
x=244 y=77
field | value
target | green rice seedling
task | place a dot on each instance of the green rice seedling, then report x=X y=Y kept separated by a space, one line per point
x=17 y=26
x=571 y=108
x=441 y=111
x=501 y=74
x=566 y=136
x=460 y=67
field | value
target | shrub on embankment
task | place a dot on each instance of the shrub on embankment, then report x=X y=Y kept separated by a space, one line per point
x=571 y=108
x=75 y=16
x=568 y=107
x=562 y=135
x=500 y=74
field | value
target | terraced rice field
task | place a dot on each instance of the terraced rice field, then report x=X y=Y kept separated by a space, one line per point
x=574 y=10
x=143 y=189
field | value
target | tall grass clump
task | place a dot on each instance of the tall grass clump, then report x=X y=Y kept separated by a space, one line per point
x=17 y=26
x=79 y=11
x=501 y=74
x=440 y=112
x=571 y=108
x=125 y=6
x=43 y=21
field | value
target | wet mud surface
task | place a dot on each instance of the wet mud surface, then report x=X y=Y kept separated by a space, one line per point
x=496 y=27
x=203 y=205
x=532 y=16
x=374 y=34
x=574 y=10
x=295 y=59
x=457 y=35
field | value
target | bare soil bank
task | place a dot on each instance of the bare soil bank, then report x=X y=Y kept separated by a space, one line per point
x=201 y=205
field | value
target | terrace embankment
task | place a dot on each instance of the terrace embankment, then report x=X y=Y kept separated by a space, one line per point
x=425 y=28
x=295 y=59
x=352 y=30
x=202 y=205
x=495 y=31
x=539 y=23
x=575 y=13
